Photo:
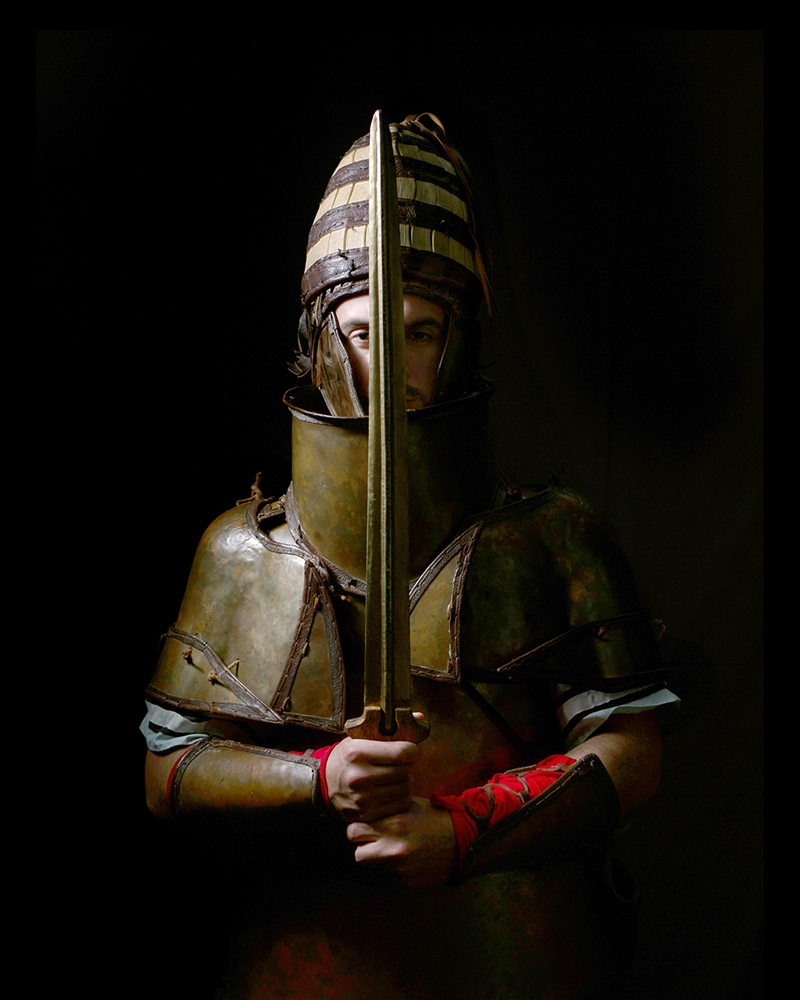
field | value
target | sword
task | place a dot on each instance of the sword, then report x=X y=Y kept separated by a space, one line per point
x=387 y=711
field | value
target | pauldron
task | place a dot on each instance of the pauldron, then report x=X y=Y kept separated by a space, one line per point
x=535 y=588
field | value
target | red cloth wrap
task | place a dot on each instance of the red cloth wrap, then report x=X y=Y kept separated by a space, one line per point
x=322 y=756
x=501 y=796
x=173 y=769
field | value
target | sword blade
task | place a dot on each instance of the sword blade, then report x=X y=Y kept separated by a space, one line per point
x=387 y=663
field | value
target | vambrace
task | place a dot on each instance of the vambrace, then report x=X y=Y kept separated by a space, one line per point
x=570 y=820
x=222 y=779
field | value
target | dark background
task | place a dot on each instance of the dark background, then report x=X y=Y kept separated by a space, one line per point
x=621 y=178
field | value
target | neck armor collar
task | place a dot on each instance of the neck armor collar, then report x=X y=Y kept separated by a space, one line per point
x=451 y=476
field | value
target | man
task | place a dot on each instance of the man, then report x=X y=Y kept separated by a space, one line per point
x=477 y=863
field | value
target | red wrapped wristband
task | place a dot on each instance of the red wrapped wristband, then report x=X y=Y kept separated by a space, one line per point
x=322 y=756
x=479 y=809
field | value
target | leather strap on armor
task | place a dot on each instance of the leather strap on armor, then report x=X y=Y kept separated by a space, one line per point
x=570 y=820
x=238 y=780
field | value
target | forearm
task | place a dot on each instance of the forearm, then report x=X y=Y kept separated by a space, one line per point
x=350 y=780
x=157 y=770
x=556 y=811
x=218 y=779
x=184 y=731
x=564 y=805
x=629 y=747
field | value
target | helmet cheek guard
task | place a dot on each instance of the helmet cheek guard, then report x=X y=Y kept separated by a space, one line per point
x=332 y=371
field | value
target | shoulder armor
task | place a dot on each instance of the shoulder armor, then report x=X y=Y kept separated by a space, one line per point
x=537 y=588
x=256 y=637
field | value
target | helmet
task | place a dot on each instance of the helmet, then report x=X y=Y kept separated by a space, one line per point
x=442 y=252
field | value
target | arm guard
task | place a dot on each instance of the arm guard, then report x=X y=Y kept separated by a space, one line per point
x=223 y=779
x=566 y=822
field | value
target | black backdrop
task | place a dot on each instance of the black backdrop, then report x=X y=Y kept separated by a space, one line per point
x=620 y=172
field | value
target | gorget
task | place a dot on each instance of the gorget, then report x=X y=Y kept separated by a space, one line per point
x=451 y=477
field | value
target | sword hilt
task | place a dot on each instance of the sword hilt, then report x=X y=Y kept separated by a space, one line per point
x=372 y=725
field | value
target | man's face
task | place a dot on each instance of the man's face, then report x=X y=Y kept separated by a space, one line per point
x=425 y=334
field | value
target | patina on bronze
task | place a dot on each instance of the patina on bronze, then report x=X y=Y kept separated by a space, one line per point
x=509 y=591
x=387 y=664
x=451 y=478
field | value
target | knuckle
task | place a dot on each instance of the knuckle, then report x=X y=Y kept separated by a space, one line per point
x=350 y=751
x=358 y=799
x=357 y=777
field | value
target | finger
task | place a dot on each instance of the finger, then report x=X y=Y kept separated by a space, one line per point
x=386 y=781
x=371 y=853
x=372 y=812
x=362 y=833
x=383 y=754
x=366 y=802
x=388 y=828
x=380 y=793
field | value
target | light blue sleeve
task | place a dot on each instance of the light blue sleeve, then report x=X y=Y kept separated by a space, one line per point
x=165 y=729
x=581 y=712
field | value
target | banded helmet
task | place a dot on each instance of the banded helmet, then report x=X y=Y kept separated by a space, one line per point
x=442 y=252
